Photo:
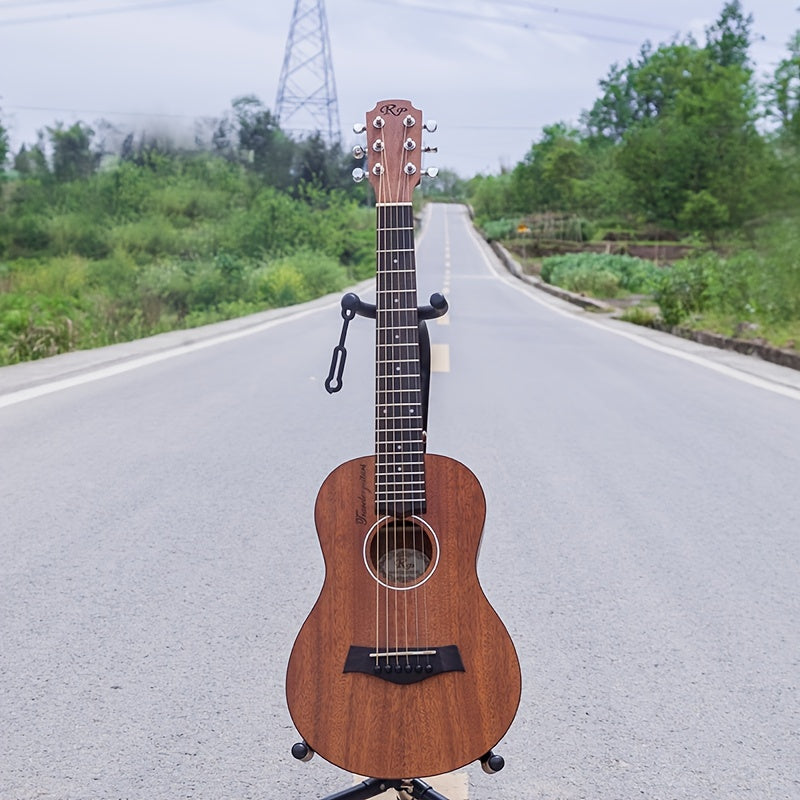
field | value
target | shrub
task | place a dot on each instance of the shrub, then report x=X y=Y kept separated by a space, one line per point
x=280 y=285
x=601 y=274
x=684 y=290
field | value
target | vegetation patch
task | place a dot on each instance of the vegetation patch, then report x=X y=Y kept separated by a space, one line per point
x=601 y=275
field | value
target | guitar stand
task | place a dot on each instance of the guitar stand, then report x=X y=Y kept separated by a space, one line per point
x=413 y=788
x=406 y=789
x=352 y=305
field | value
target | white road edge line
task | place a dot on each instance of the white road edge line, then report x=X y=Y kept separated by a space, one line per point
x=723 y=369
x=58 y=385
x=21 y=395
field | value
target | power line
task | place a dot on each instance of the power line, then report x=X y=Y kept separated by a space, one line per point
x=17 y=3
x=97 y=12
x=104 y=112
x=569 y=12
x=507 y=22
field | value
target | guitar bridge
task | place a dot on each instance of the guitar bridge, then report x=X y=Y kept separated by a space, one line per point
x=404 y=665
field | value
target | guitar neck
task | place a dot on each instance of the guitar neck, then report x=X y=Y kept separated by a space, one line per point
x=399 y=438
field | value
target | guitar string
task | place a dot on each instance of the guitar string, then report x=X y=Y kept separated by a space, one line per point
x=392 y=243
x=406 y=383
x=379 y=399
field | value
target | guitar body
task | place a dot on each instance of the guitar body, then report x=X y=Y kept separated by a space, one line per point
x=440 y=682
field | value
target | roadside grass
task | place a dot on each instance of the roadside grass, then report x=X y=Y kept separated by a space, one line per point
x=133 y=251
x=750 y=292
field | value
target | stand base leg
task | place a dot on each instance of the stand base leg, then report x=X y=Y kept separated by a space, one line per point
x=372 y=787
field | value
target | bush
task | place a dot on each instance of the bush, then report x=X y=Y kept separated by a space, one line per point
x=279 y=285
x=601 y=274
x=33 y=327
x=495 y=229
x=760 y=283
x=684 y=289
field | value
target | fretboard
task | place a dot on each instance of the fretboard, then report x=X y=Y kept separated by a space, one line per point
x=399 y=440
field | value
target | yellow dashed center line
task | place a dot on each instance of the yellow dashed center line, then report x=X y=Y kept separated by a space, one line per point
x=440 y=358
x=445 y=320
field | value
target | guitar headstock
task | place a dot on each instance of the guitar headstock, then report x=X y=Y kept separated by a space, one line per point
x=394 y=150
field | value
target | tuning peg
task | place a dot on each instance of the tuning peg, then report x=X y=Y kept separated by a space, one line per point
x=359 y=151
x=430 y=149
x=359 y=127
x=430 y=125
x=358 y=174
x=431 y=172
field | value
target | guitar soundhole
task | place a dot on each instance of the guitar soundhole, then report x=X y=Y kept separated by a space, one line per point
x=401 y=553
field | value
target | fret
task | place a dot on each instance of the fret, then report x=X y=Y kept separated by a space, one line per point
x=399 y=443
x=398 y=360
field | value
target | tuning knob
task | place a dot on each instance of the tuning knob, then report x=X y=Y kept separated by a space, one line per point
x=432 y=172
x=359 y=151
x=359 y=127
x=430 y=125
x=358 y=174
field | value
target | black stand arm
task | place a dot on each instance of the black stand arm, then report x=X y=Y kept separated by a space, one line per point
x=352 y=305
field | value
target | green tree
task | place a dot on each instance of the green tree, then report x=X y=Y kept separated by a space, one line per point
x=261 y=143
x=728 y=40
x=490 y=196
x=73 y=157
x=320 y=165
x=641 y=91
x=32 y=161
x=448 y=185
x=3 y=146
x=704 y=213
x=783 y=93
x=701 y=134
x=547 y=179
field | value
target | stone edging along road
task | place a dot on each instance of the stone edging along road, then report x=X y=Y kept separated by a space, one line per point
x=785 y=358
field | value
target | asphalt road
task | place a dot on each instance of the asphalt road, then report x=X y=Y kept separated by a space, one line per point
x=642 y=545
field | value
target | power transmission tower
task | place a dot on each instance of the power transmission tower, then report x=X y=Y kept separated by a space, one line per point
x=306 y=101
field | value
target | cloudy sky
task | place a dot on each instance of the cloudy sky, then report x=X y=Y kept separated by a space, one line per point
x=492 y=73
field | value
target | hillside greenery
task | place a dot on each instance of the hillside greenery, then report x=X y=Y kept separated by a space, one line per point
x=98 y=248
x=683 y=144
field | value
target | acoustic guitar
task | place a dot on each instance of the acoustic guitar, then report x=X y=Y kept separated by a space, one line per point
x=402 y=669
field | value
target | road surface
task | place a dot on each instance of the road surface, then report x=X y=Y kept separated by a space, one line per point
x=642 y=546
